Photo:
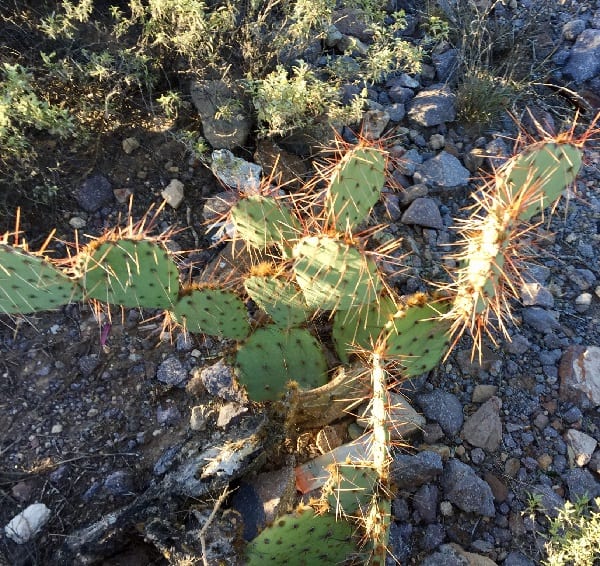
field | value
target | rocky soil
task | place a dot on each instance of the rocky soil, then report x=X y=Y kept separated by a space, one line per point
x=128 y=434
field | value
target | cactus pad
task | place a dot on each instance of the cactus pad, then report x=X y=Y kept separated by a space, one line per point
x=30 y=283
x=272 y=357
x=334 y=275
x=303 y=539
x=262 y=221
x=130 y=273
x=350 y=488
x=361 y=327
x=355 y=187
x=280 y=299
x=546 y=167
x=418 y=338
x=212 y=311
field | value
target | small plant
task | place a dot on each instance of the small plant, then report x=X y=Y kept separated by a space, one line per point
x=574 y=535
x=482 y=97
x=437 y=28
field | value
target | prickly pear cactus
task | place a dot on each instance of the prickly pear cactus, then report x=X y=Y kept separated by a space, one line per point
x=30 y=283
x=418 y=337
x=280 y=298
x=129 y=273
x=272 y=357
x=361 y=327
x=355 y=187
x=542 y=172
x=334 y=275
x=212 y=311
x=350 y=487
x=263 y=221
x=303 y=539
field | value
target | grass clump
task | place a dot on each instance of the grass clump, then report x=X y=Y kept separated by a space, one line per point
x=482 y=97
x=574 y=535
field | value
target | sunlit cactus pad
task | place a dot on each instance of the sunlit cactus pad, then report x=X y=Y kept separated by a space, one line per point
x=30 y=283
x=418 y=338
x=334 y=275
x=212 y=311
x=263 y=221
x=280 y=298
x=355 y=187
x=547 y=167
x=350 y=488
x=361 y=327
x=303 y=539
x=272 y=357
x=130 y=273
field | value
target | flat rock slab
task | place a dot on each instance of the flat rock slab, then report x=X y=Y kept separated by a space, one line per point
x=484 y=427
x=433 y=106
x=444 y=170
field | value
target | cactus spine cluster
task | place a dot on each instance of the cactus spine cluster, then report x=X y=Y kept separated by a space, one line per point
x=319 y=266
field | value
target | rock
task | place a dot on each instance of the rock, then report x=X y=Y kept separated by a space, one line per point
x=276 y=161
x=198 y=420
x=433 y=106
x=425 y=501
x=517 y=345
x=276 y=491
x=583 y=302
x=572 y=29
x=482 y=392
x=56 y=429
x=580 y=447
x=173 y=193
x=584 y=61
x=594 y=463
x=400 y=94
x=515 y=558
x=404 y=420
x=222 y=130
x=413 y=471
x=423 y=212
x=169 y=416
x=374 y=123
x=549 y=501
x=353 y=22
x=540 y=319
x=412 y=193
x=171 y=371
x=396 y=111
x=407 y=162
x=129 y=145
x=219 y=380
x=433 y=536
x=24 y=526
x=327 y=439
x=236 y=172
x=445 y=64
x=95 y=193
x=444 y=170
x=88 y=364
x=443 y=408
x=581 y=483
x=484 y=427
x=228 y=412
x=453 y=555
x=119 y=483
x=464 y=489
x=534 y=294
x=437 y=141
x=579 y=373
x=77 y=222
x=497 y=486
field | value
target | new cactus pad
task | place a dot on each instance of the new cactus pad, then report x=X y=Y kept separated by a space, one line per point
x=355 y=187
x=129 y=273
x=273 y=357
x=30 y=283
x=212 y=311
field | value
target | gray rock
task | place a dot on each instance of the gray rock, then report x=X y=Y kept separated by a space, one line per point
x=228 y=412
x=464 y=489
x=88 y=364
x=171 y=371
x=433 y=536
x=445 y=64
x=409 y=161
x=423 y=212
x=396 y=111
x=443 y=408
x=433 y=106
x=484 y=427
x=169 y=416
x=95 y=193
x=413 y=192
x=453 y=555
x=28 y=523
x=413 y=471
x=425 y=501
x=515 y=558
x=550 y=502
x=540 y=319
x=374 y=123
x=400 y=94
x=227 y=131
x=580 y=447
x=400 y=542
x=497 y=152
x=518 y=345
x=219 y=380
x=584 y=62
x=444 y=170
x=581 y=483
x=572 y=29
x=236 y=172
x=534 y=294
x=579 y=373
x=119 y=483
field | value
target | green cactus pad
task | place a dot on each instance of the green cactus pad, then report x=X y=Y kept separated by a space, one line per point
x=361 y=327
x=303 y=539
x=262 y=221
x=30 y=283
x=351 y=487
x=130 y=273
x=334 y=275
x=548 y=166
x=355 y=187
x=272 y=357
x=213 y=311
x=418 y=338
x=281 y=299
